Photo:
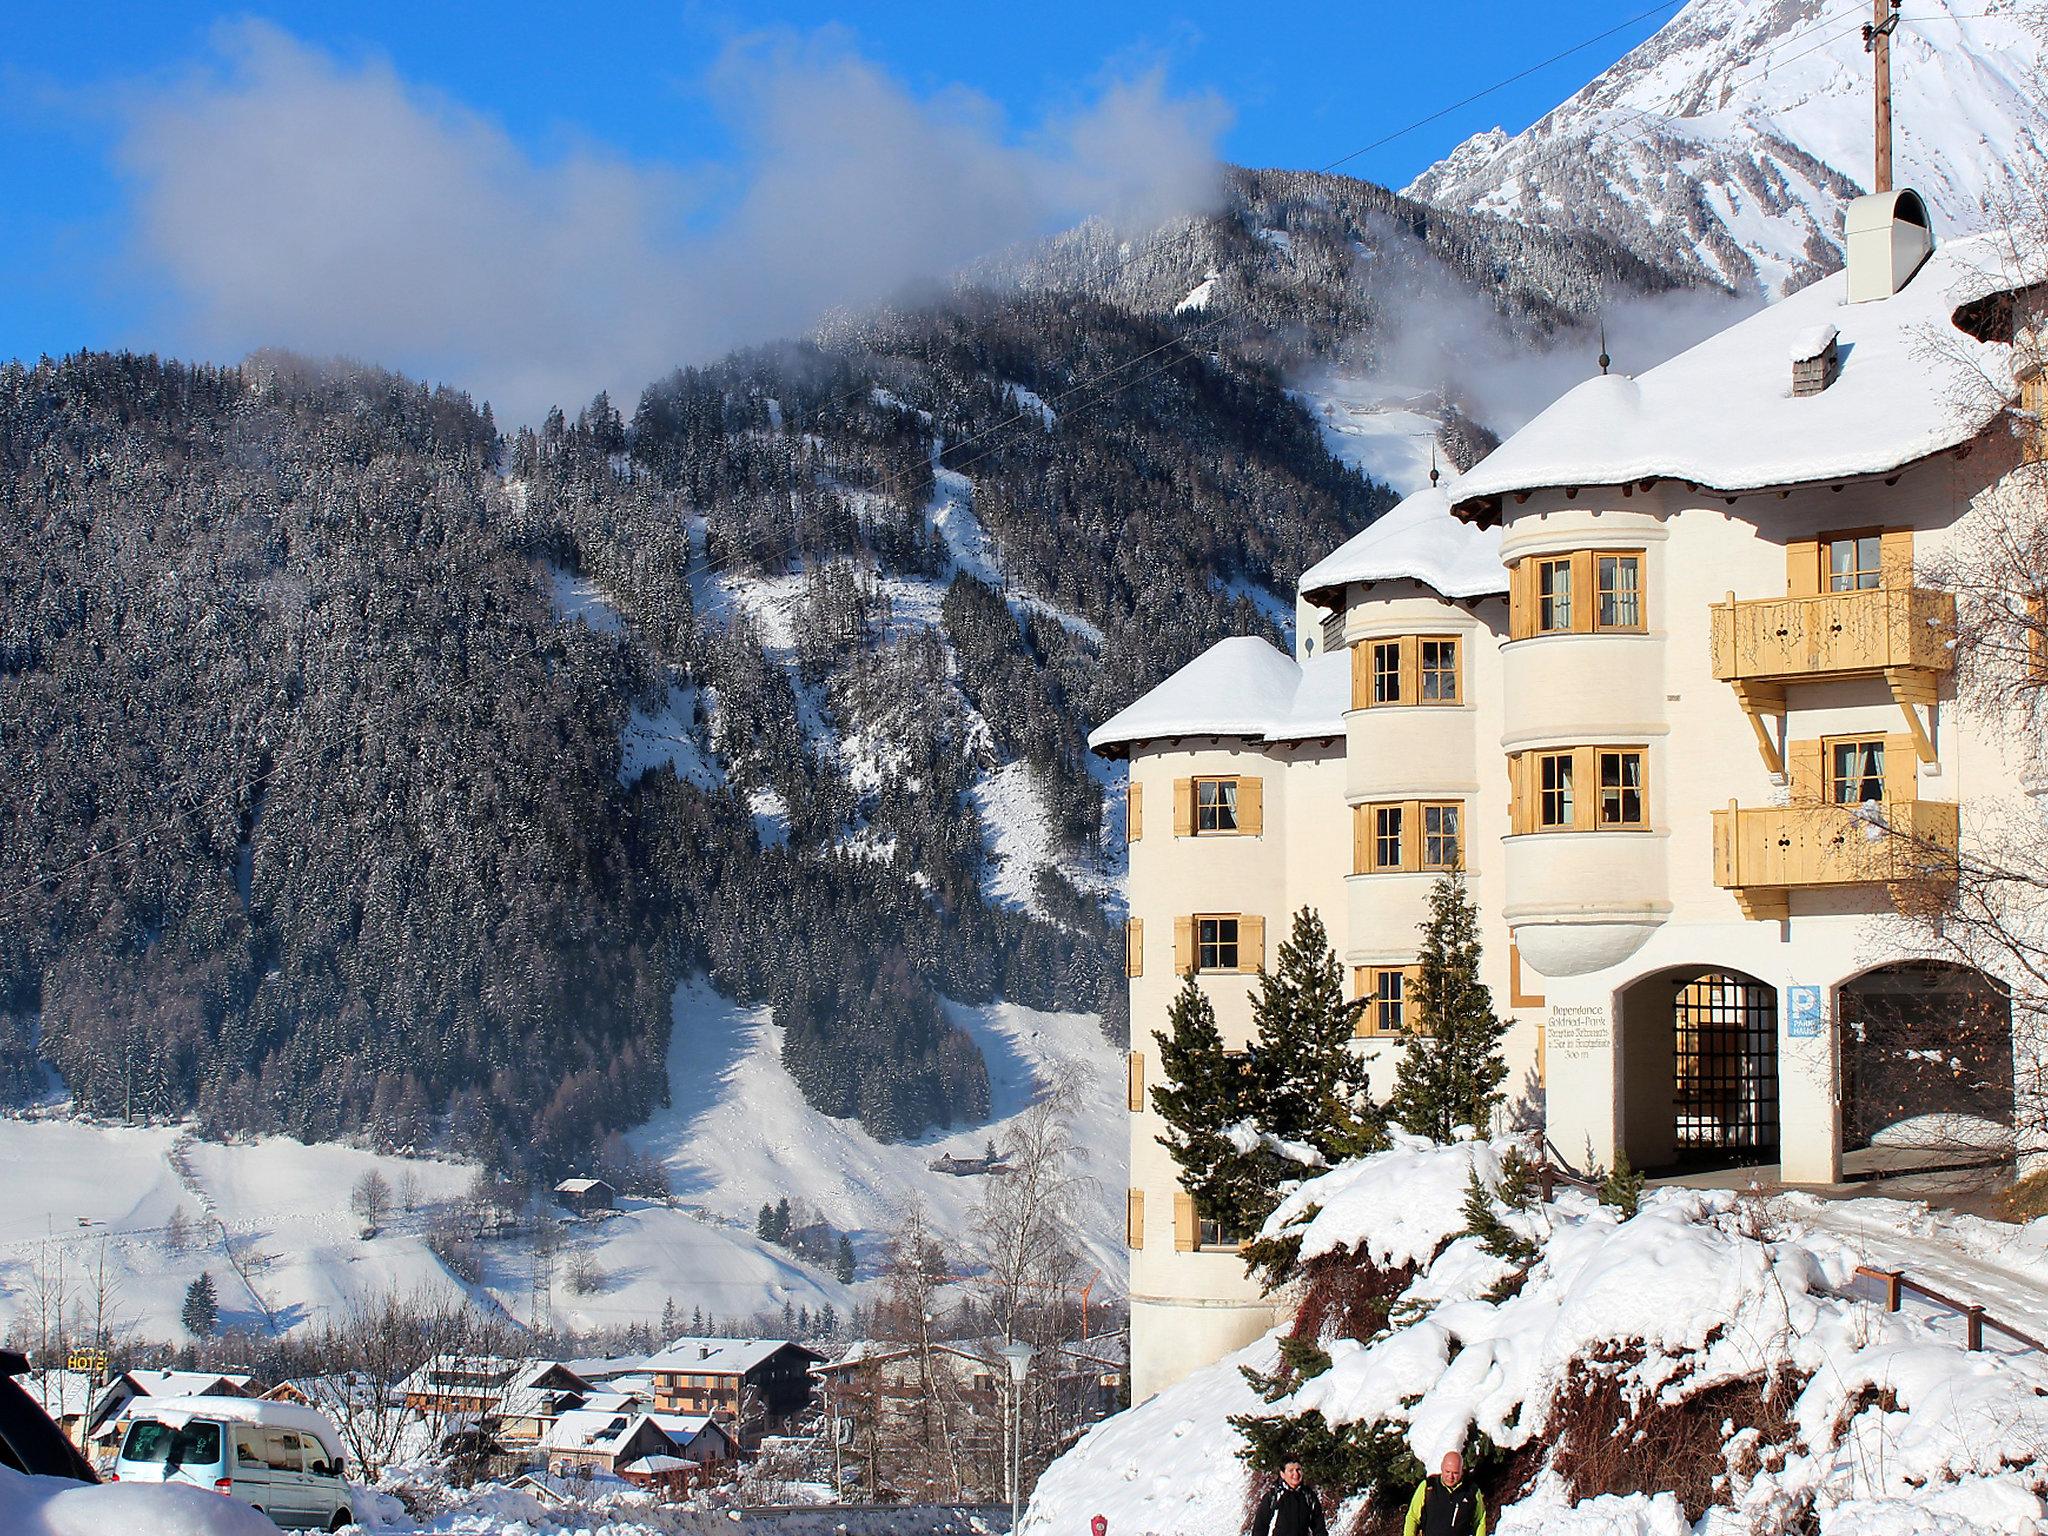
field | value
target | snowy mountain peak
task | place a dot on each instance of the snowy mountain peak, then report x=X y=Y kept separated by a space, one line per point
x=1727 y=144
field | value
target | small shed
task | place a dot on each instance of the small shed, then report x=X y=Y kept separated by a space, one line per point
x=586 y=1195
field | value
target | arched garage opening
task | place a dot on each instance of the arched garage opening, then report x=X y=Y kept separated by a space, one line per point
x=1699 y=1070
x=1927 y=1061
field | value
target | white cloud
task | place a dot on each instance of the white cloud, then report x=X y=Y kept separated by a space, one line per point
x=283 y=197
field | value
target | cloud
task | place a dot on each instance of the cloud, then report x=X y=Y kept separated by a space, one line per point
x=282 y=197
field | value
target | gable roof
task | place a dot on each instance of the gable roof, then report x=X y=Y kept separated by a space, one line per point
x=1418 y=540
x=1722 y=415
x=720 y=1357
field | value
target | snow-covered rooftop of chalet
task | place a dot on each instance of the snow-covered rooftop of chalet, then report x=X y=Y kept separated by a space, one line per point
x=1722 y=414
x=1242 y=687
x=1418 y=540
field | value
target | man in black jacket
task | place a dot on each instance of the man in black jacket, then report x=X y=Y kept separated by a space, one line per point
x=1290 y=1508
x=1447 y=1504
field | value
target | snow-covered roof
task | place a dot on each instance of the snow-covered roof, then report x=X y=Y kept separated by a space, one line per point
x=591 y=1429
x=596 y=1368
x=1722 y=415
x=1238 y=687
x=1418 y=540
x=579 y=1186
x=719 y=1357
x=1321 y=696
x=63 y=1394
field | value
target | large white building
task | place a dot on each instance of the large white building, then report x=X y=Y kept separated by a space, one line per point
x=1658 y=676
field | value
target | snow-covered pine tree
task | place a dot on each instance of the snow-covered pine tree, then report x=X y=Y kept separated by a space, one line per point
x=1307 y=1084
x=1200 y=1095
x=202 y=1307
x=842 y=1264
x=1451 y=1072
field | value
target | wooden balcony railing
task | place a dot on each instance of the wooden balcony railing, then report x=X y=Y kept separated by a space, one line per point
x=1835 y=634
x=1767 y=851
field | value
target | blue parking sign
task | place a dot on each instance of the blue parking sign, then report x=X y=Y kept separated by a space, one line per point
x=1802 y=1013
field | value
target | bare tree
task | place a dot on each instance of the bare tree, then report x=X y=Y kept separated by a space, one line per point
x=371 y=1199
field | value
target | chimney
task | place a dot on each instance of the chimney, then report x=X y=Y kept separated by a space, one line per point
x=1815 y=360
x=1889 y=237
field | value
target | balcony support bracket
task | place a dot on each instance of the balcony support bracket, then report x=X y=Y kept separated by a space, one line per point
x=1757 y=701
x=1916 y=689
x=1764 y=903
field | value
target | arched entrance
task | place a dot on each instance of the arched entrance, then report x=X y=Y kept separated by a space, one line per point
x=1927 y=1060
x=1700 y=1070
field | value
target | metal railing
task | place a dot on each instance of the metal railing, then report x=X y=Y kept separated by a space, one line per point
x=1975 y=1318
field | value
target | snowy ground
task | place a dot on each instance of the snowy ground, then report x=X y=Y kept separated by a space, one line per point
x=738 y=1132
x=1377 y=426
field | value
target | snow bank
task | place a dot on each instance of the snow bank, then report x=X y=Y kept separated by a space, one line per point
x=52 y=1506
x=1895 y=1426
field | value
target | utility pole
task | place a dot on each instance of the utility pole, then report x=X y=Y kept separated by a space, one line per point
x=1877 y=42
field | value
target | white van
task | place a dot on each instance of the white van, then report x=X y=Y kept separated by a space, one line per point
x=283 y=1458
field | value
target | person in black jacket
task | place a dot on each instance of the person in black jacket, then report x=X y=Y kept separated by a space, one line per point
x=1447 y=1504
x=1290 y=1507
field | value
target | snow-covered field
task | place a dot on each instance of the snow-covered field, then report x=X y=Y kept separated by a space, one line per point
x=1892 y=1426
x=738 y=1132
x=1374 y=425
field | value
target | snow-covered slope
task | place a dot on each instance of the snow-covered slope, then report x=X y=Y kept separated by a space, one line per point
x=1730 y=141
x=738 y=1133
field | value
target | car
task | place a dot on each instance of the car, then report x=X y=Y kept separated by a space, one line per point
x=281 y=1458
x=29 y=1441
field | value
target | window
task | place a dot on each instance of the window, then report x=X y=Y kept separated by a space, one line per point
x=1856 y=771
x=1621 y=789
x=1215 y=805
x=1439 y=666
x=1212 y=1233
x=1579 y=593
x=1554 y=804
x=1553 y=596
x=1384 y=992
x=1406 y=669
x=1855 y=563
x=1582 y=789
x=1386 y=672
x=1386 y=837
x=1621 y=581
x=1440 y=837
x=1216 y=943
x=1407 y=835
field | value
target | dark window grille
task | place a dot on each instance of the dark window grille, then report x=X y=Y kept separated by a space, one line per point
x=1726 y=1090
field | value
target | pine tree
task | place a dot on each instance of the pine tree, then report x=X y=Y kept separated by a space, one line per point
x=696 y=1322
x=1308 y=1084
x=1202 y=1094
x=1451 y=1072
x=843 y=1267
x=783 y=1223
x=1623 y=1186
x=764 y=1224
x=669 y=1320
x=202 y=1307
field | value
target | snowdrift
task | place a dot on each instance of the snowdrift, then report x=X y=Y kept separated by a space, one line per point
x=1703 y=1360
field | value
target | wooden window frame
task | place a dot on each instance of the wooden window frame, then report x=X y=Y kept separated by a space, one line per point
x=1236 y=942
x=1641 y=787
x=1366 y=980
x=1831 y=783
x=1563 y=788
x=1828 y=542
x=1227 y=787
x=1406 y=674
x=1424 y=836
x=1588 y=808
x=1582 y=597
x=1251 y=943
x=1248 y=805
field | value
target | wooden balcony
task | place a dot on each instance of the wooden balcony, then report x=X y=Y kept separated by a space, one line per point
x=1833 y=634
x=1762 y=854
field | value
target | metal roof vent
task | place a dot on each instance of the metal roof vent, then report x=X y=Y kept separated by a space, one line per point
x=1816 y=359
x=1889 y=237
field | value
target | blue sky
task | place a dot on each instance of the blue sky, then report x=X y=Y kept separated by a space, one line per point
x=137 y=157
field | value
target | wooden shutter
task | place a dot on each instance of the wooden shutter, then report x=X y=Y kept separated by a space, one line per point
x=1361 y=676
x=1183 y=807
x=1136 y=1089
x=1251 y=943
x=1361 y=839
x=1802 y=568
x=1183 y=946
x=1521 y=611
x=1411 y=670
x=1901 y=766
x=1134 y=1218
x=1134 y=811
x=1806 y=762
x=1134 y=946
x=1187 y=1232
x=1251 y=807
x=1895 y=556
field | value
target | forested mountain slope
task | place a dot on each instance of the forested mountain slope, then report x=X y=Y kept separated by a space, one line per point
x=383 y=775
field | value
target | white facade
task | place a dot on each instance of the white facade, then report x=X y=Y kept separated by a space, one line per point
x=1658 y=827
